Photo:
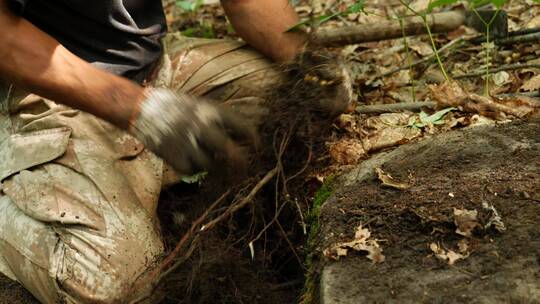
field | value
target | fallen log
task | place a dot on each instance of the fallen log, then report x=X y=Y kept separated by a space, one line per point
x=391 y=29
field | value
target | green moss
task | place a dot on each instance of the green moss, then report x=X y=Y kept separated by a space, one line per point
x=313 y=221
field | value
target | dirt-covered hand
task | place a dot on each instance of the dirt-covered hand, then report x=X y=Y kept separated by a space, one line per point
x=326 y=81
x=189 y=133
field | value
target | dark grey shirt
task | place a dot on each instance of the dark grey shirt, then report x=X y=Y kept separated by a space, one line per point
x=121 y=36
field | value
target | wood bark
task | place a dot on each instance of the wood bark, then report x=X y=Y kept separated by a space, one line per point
x=440 y=22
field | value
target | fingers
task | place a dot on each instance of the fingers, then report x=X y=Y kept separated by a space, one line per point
x=217 y=142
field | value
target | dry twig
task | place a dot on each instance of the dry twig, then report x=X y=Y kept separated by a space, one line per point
x=395 y=107
x=246 y=200
x=450 y=45
x=508 y=67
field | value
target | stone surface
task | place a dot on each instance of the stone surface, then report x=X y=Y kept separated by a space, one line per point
x=499 y=165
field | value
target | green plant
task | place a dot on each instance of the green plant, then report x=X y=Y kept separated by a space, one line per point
x=488 y=45
x=189 y=5
x=312 y=219
x=197 y=178
x=355 y=8
x=202 y=30
x=423 y=119
x=423 y=15
x=409 y=59
x=472 y=3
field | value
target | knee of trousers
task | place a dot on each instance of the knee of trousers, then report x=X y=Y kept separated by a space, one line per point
x=109 y=276
x=75 y=264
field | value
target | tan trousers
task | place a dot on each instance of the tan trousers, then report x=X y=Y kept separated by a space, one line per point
x=78 y=197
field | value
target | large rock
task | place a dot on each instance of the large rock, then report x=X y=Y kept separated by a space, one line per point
x=497 y=165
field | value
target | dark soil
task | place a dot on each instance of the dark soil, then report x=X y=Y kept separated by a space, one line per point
x=12 y=292
x=499 y=165
x=221 y=270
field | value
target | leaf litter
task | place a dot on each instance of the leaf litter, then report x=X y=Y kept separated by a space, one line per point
x=388 y=181
x=362 y=242
x=465 y=221
x=448 y=255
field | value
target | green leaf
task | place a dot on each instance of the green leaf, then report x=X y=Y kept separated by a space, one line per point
x=185 y=5
x=357 y=7
x=195 y=179
x=189 y=5
x=478 y=3
x=324 y=18
x=299 y=25
x=424 y=119
x=439 y=3
x=310 y=22
x=189 y=32
x=437 y=116
x=498 y=3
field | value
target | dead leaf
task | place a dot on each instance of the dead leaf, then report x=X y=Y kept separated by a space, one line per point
x=388 y=130
x=434 y=75
x=387 y=120
x=534 y=22
x=390 y=137
x=348 y=122
x=420 y=5
x=388 y=181
x=400 y=79
x=347 y=152
x=495 y=219
x=448 y=256
x=451 y=94
x=448 y=93
x=361 y=242
x=463 y=246
x=531 y=84
x=421 y=47
x=501 y=78
x=485 y=105
x=466 y=221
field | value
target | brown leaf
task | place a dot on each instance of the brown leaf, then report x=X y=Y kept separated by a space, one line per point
x=388 y=120
x=390 y=137
x=466 y=221
x=448 y=256
x=388 y=130
x=532 y=84
x=451 y=94
x=388 y=181
x=422 y=48
x=347 y=152
x=361 y=242
x=463 y=246
x=495 y=219
x=347 y=122
x=448 y=93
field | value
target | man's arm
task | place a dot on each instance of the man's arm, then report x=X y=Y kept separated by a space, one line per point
x=33 y=60
x=188 y=133
x=263 y=24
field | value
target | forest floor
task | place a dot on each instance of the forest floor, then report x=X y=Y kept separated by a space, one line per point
x=229 y=267
x=462 y=227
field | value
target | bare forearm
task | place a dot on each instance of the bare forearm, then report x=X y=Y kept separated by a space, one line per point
x=263 y=24
x=33 y=60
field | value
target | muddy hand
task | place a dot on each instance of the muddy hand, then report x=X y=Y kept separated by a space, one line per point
x=329 y=80
x=189 y=133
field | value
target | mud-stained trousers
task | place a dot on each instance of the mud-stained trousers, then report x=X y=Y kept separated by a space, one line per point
x=78 y=197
